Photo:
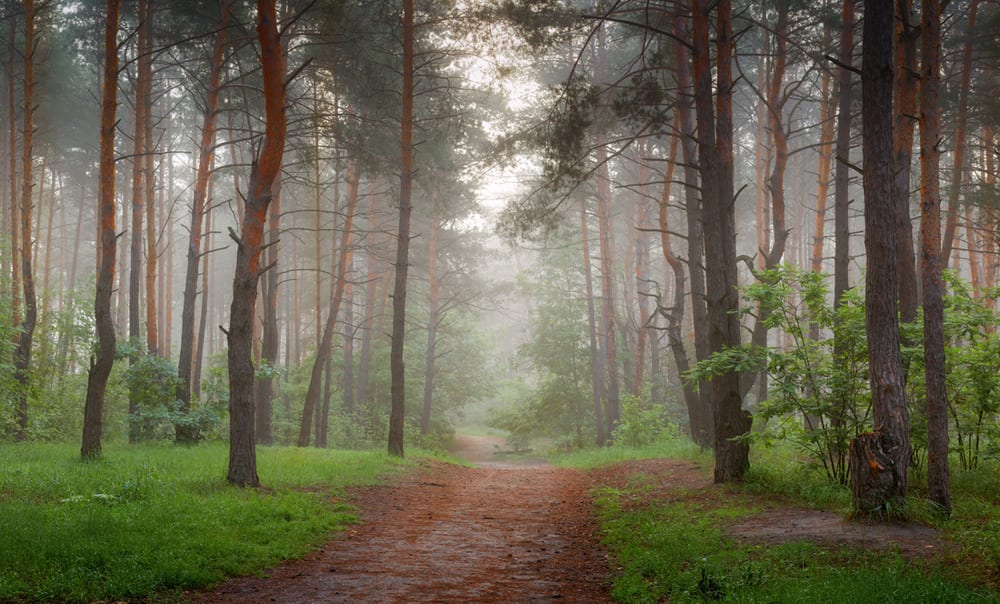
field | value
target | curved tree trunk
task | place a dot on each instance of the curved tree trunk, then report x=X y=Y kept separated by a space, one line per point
x=100 y=368
x=242 y=451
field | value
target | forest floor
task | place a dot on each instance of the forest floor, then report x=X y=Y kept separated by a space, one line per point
x=517 y=530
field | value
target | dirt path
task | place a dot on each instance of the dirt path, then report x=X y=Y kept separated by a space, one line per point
x=503 y=531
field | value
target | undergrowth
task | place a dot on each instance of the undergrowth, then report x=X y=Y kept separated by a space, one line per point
x=156 y=519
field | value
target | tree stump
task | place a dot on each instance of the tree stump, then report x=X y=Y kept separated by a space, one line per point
x=875 y=481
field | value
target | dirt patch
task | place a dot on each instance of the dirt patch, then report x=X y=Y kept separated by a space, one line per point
x=670 y=481
x=491 y=534
x=785 y=525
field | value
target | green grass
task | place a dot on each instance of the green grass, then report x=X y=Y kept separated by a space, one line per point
x=678 y=552
x=667 y=447
x=157 y=519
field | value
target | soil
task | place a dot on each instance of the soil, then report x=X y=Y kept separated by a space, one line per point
x=504 y=530
x=516 y=530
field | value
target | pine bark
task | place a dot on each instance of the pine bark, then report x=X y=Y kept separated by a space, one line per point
x=842 y=177
x=714 y=133
x=704 y=431
x=397 y=415
x=242 y=451
x=882 y=489
x=22 y=352
x=433 y=317
x=930 y=265
x=100 y=368
x=596 y=360
x=905 y=93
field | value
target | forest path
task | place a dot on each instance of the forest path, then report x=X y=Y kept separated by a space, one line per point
x=503 y=531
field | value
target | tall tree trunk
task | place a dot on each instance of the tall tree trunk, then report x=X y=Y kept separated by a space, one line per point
x=930 y=265
x=349 y=329
x=905 y=93
x=842 y=177
x=271 y=339
x=100 y=368
x=961 y=126
x=22 y=353
x=138 y=210
x=675 y=313
x=433 y=317
x=372 y=279
x=149 y=180
x=596 y=359
x=880 y=460
x=15 y=206
x=397 y=415
x=823 y=165
x=201 y=335
x=605 y=238
x=242 y=451
x=206 y=151
x=329 y=328
x=715 y=164
x=704 y=432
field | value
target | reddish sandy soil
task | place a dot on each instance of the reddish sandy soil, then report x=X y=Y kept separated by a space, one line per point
x=503 y=531
x=517 y=531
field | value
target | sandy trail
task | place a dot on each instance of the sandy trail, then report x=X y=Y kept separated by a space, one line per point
x=500 y=532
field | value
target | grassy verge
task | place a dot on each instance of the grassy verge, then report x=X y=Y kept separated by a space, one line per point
x=668 y=447
x=157 y=519
x=677 y=549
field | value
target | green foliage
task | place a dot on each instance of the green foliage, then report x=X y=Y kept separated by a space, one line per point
x=815 y=400
x=972 y=374
x=148 y=519
x=641 y=422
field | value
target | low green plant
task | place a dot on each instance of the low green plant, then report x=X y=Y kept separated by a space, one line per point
x=817 y=400
x=157 y=518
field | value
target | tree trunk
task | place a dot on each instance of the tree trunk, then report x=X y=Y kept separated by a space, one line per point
x=138 y=210
x=397 y=416
x=329 y=328
x=433 y=312
x=596 y=362
x=715 y=164
x=842 y=178
x=885 y=453
x=15 y=206
x=372 y=279
x=675 y=314
x=349 y=329
x=961 y=126
x=206 y=152
x=704 y=432
x=146 y=66
x=612 y=403
x=202 y=332
x=930 y=265
x=271 y=339
x=100 y=368
x=823 y=164
x=242 y=451
x=905 y=93
x=22 y=353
